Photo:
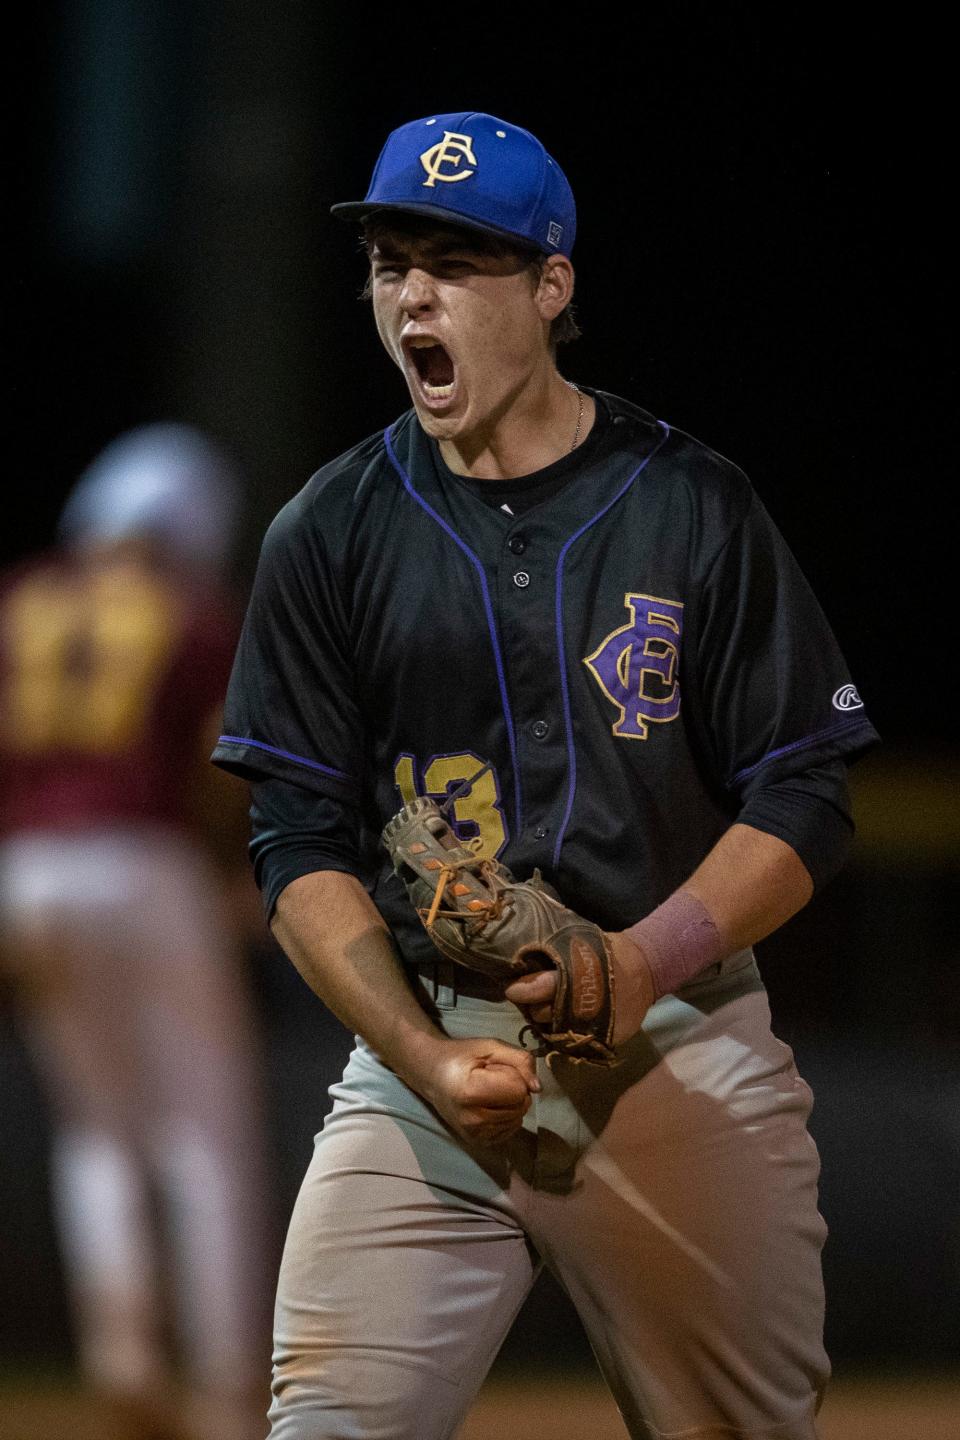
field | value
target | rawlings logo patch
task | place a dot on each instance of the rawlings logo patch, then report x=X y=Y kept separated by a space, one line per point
x=847 y=698
x=636 y=665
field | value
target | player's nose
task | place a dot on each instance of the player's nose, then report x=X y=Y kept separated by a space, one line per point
x=417 y=293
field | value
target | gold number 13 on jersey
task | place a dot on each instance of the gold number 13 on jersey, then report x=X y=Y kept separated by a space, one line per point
x=478 y=812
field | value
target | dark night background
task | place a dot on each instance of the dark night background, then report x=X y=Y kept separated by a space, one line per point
x=763 y=260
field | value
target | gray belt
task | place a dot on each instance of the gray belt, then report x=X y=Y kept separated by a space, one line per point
x=442 y=981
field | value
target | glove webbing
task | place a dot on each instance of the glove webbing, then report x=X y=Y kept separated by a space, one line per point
x=449 y=872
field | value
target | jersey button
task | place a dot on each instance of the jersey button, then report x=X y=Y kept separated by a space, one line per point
x=541 y=729
x=517 y=544
x=541 y=832
x=521 y=579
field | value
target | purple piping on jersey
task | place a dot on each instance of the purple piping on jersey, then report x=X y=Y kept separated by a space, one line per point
x=561 y=648
x=841 y=727
x=488 y=610
x=286 y=755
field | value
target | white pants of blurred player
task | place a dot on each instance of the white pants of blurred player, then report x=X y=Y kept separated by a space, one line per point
x=136 y=1015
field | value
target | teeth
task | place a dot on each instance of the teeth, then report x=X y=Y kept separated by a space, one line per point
x=426 y=342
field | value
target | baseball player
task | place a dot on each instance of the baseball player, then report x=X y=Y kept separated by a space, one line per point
x=115 y=650
x=576 y=631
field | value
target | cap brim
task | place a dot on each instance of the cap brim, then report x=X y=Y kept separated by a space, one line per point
x=361 y=209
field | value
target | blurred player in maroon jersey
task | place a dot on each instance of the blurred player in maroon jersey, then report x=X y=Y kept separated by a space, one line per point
x=115 y=652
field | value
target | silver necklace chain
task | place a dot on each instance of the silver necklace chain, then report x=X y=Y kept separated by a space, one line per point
x=576 y=433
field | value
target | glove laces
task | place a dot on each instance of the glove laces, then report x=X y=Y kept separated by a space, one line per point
x=493 y=908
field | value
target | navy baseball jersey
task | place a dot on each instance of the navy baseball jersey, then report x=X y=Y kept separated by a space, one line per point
x=631 y=657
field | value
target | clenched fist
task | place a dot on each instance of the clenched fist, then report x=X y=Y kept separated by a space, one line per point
x=482 y=1088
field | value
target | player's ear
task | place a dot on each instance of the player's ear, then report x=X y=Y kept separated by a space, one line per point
x=555 y=288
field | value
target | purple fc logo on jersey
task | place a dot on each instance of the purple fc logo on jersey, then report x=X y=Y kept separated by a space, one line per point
x=636 y=665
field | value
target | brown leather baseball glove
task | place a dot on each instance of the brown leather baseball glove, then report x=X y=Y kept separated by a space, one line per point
x=479 y=916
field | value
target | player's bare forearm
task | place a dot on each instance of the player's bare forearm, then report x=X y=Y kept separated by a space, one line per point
x=338 y=941
x=750 y=884
x=335 y=936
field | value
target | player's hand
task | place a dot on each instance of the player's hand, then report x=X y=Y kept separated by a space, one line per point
x=482 y=1088
x=634 y=988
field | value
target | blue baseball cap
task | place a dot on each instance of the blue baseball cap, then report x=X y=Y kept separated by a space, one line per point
x=475 y=170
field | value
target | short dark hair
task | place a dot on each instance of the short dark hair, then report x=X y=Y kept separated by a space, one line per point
x=563 y=327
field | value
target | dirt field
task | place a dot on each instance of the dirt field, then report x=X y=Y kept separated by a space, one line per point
x=923 y=1410
x=561 y=1410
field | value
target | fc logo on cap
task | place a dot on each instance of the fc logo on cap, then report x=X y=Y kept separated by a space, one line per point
x=449 y=151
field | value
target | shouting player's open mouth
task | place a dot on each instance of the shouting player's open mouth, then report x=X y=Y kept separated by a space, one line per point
x=431 y=366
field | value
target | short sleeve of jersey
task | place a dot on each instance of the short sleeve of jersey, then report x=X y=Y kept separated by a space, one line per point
x=290 y=711
x=773 y=689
